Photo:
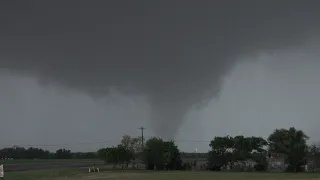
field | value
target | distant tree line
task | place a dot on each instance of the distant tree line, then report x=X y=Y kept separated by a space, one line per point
x=38 y=153
x=227 y=153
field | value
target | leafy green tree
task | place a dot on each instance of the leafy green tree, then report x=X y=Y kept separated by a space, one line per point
x=159 y=154
x=221 y=152
x=153 y=153
x=131 y=143
x=172 y=158
x=112 y=156
x=258 y=144
x=241 y=148
x=292 y=143
x=257 y=151
x=225 y=150
x=134 y=145
x=115 y=155
x=124 y=155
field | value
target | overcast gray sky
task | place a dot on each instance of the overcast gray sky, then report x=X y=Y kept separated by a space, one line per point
x=80 y=74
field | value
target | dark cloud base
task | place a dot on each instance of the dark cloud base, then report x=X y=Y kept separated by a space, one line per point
x=172 y=52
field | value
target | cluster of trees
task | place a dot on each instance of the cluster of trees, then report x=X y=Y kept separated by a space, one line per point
x=159 y=154
x=126 y=152
x=155 y=154
x=290 y=143
x=293 y=144
x=225 y=152
x=38 y=153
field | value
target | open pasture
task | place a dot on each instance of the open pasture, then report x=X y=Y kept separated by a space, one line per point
x=195 y=176
x=82 y=174
x=22 y=165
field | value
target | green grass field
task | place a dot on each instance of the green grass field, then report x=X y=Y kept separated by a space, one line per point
x=44 y=174
x=82 y=174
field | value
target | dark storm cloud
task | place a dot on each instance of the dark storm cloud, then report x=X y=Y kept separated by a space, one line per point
x=174 y=52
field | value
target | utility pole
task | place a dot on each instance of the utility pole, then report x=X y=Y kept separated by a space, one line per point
x=142 y=138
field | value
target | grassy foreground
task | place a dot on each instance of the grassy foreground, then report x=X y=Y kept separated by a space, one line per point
x=82 y=174
x=44 y=174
